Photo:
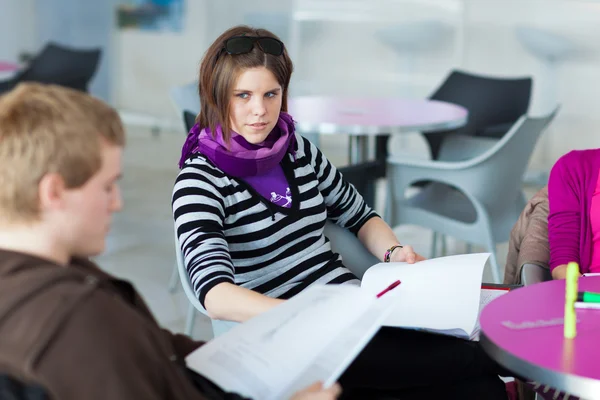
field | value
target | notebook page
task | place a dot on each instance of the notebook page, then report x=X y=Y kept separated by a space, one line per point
x=487 y=295
x=335 y=359
x=440 y=294
x=263 y=356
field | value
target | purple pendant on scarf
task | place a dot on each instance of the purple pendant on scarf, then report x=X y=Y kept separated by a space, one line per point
x=243 y=159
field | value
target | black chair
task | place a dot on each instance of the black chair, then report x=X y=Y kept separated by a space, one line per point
x=13 y=389
x=363 y=176
x=494 y=105
x=189 y=120
x=59 y=65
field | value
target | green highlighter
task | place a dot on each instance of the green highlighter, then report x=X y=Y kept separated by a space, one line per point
x=588 y=297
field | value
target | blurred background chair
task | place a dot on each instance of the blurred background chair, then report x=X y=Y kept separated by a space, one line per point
x=476 y=200
x=186 y=100
x=356 y=258
x=533 y=273
x=494 y=105
x=69 y=67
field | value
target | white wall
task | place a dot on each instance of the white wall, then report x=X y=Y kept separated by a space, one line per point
x=149 y=63
x=347 y=58
x=16 y=28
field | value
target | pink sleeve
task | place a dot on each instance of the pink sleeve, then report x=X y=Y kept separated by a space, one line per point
x=564 y=218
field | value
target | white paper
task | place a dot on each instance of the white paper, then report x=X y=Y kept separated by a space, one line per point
x=441 y=294
x=263 y=357
x=487 y=295
x=335 y=359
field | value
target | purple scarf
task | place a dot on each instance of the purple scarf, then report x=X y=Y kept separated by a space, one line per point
x=242 y=159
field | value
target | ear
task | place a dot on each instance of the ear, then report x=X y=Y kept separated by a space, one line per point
x=52 y=191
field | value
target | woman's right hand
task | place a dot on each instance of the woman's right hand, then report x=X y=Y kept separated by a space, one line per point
x=316 y=392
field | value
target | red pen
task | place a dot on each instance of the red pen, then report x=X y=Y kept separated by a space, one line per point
x=387 y=289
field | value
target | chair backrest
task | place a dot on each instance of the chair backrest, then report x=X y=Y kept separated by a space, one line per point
x=185 y=278
x=355 y=256
x=533 y=273
x=73 y=68
x=491 y=101
x=494 y=177
x=189 y=119
x=12 y=388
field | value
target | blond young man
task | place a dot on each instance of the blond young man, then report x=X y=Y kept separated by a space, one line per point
x=68 y=330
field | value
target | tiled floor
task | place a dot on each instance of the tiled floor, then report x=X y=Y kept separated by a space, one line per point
x=140 y=246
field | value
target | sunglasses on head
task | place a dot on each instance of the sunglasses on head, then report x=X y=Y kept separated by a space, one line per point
x=244 y=44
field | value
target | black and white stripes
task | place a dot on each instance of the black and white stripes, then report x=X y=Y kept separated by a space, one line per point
x=229 y=233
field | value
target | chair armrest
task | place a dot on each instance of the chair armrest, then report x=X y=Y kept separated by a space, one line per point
x=427 y=164
x=533 y=273
x=463 y=175
x=463 y=147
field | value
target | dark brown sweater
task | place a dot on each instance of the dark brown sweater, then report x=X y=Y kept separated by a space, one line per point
x=83 y=334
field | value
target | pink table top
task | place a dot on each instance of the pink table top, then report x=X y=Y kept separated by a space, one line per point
x=541 y=352
x=8 y=66
x=373 y=116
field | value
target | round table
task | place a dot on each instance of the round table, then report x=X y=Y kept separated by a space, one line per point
x=8 y=69
x=523 y=331
x=362 y=117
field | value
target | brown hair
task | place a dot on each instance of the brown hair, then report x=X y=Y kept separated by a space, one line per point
x=219 y=71
x=49 y=129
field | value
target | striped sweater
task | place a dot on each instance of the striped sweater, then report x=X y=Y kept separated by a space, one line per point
x=230 y=233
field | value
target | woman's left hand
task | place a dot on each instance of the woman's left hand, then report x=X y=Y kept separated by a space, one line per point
x=406 y=254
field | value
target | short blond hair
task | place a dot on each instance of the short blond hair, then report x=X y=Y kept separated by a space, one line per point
x=49 y=129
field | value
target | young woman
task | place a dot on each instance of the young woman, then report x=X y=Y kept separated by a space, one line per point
x=250 y=205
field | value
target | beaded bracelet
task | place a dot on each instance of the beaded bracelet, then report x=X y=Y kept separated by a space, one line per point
x=388 y=252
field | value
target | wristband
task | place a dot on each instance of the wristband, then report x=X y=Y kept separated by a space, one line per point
x=388 y=252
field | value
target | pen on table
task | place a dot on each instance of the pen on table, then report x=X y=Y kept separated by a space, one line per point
x=587 y=306
x=387 y=289
x=588 y=297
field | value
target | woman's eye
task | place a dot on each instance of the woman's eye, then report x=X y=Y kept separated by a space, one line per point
x=243 y=95
x=270 y=94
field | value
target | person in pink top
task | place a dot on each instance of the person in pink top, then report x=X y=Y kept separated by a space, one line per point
x=574 y=218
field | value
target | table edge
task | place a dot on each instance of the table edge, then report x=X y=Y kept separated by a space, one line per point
x=583 y=387
x=374 y=130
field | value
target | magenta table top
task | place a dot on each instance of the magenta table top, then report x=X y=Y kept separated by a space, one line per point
x=373 y=116
x=8 y=66
x=541 y=352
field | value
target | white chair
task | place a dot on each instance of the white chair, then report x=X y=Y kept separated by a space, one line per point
x=533 y=273
x=185 y=98
x=356 y=258
x=476 y=200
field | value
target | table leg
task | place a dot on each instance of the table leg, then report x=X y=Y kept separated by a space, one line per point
x=358 y=149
